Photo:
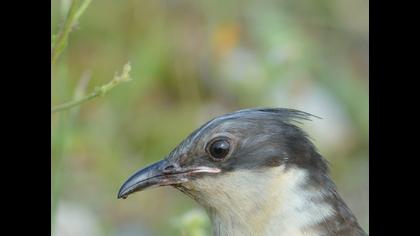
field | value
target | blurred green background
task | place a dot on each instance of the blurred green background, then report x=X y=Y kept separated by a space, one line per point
x=191 y=61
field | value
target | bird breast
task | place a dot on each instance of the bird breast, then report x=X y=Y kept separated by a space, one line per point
x=271 y=201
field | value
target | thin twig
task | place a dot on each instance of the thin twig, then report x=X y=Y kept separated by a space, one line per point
x=99 y=91
x=81 y=9
x=59 y=43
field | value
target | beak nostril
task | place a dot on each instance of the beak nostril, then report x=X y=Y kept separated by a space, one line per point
x=168 y=168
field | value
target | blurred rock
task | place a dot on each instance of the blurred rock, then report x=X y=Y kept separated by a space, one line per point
x=75 y=219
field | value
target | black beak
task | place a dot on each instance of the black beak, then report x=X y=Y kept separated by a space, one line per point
x=153 y=175
x=161 y=173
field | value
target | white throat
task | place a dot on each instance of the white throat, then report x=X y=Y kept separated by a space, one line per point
x=267 y=202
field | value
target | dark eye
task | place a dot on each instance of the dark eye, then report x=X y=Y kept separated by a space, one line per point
x=218 y=149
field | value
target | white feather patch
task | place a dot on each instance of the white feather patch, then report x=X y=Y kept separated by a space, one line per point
x=264 y=202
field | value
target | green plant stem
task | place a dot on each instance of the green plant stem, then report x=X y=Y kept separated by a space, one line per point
x=63 y=129
x=59 y=140
x=60 y=43
x=82 y=8
x=100 y=91
x=74 y=103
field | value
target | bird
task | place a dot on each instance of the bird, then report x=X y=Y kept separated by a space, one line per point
x=255 y=172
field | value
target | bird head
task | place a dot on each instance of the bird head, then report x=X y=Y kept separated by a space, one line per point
x=230 y=152
x=256 y=173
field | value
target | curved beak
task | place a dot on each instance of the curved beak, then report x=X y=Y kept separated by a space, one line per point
x=161 y=173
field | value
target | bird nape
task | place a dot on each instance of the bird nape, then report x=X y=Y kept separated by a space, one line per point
x=256 y=173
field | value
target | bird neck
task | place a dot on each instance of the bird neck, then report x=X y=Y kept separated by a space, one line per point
x=281 y=202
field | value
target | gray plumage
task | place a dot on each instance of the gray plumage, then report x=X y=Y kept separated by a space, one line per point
x=256 y=173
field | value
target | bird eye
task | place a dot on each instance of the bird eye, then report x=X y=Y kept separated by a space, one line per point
x=219 y=149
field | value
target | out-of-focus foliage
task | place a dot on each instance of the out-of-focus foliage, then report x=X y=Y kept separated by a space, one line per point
x=191 y=61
